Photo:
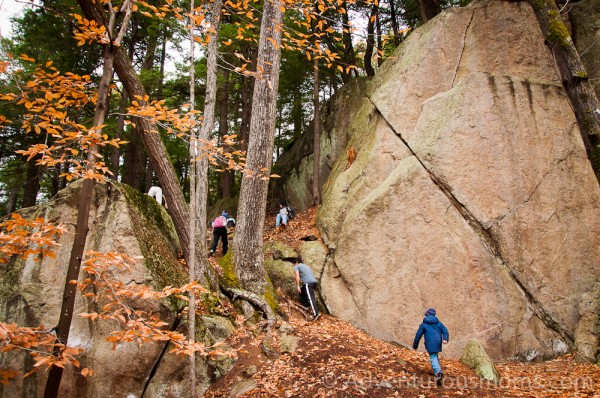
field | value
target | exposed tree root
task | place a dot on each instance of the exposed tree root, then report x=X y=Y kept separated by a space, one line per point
x=255 y=300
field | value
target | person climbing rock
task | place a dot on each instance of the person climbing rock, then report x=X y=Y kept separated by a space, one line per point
x=435 y=334
x=219 y=226
x=156 y=192
x=306 y=283
x=282 y=216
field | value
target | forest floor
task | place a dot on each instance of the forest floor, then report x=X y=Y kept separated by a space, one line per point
x=334 y=359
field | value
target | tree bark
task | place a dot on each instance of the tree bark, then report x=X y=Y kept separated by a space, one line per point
x=193 y=148
x=116 y=151
x=379 y=40
x=12 y=200
x=574 y=77
x=55 y=184
x=247 y=95
x=248 y=241
x=348 y=56
x=208 y=122
x=316 y=136
x=32 y=184
x=394 y=20
x=133 y=174
x=368 y=60
x=227 y=176
x=429 y=9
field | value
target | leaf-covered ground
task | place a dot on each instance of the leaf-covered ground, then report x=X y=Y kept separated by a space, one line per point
x=334 y=359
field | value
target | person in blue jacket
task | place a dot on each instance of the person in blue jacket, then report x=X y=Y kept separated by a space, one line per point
x=435 y=334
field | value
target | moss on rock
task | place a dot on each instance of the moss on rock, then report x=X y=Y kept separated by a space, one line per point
x=156 y=236
x=228 y=278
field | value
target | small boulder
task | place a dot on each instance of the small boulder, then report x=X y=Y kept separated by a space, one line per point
x=282 y=276
x=242 y=387
x=314 y=254
x=249 y=371
x=475 y=357
x=288 y=344
x=223 y=361
x=286 y=328
x=279 y=250
x=219 y=327
x=269 y=347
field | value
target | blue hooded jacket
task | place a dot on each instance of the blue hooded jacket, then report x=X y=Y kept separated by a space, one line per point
x=434 y=332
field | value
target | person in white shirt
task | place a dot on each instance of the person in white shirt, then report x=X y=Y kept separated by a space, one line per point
x=156 y=193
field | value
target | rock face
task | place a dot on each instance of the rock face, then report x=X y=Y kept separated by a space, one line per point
x=31 y=294
x=471 y=192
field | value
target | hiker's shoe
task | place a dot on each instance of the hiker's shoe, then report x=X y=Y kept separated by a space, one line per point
x=438 y=378
x=316 y=317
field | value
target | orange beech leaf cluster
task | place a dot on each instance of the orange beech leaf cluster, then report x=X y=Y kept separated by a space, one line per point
x=116 y=302
x=22 y=237
x=19 y=236
x=54 y=103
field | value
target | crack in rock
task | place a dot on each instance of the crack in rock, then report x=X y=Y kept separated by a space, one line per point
x=462 y=50
x=160 y=356
x=487 y=239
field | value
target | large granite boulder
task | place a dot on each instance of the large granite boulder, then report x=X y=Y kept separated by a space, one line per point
x=471 y=192
x=121 y=220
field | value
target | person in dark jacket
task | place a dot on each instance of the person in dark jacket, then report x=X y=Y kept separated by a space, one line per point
x=435 y=334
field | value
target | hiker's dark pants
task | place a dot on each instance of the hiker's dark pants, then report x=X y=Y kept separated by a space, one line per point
x=307 y=297
x=220 y=232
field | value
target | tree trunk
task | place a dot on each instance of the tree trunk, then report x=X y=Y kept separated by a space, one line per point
x=208 y=122
x=394 y=20
x=368 y=60
x=227 y=176
x=132 y=160
x=149 y=176
x=316 y=136
x=574 y=77
x=247 y=95
x=248 y=241
x=12 y=200
x=348 y=56
x=163 y=59
x=379 y=40
x=32 y=184
x=63 y=180
x=116 y=151
x=55 y=184
x=429 y=9
x=193 y=148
